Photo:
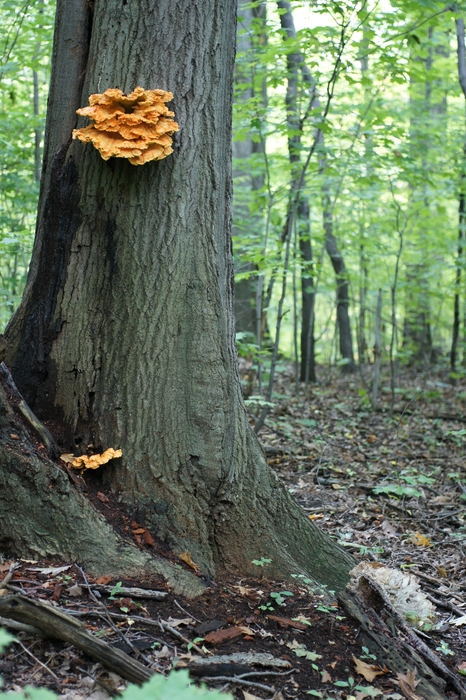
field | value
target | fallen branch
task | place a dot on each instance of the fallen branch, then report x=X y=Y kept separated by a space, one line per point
x=57 y=624
x=171 y=630
x=385 y=630
x=131 y=592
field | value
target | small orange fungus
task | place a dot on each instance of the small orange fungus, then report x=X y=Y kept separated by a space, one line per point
x=137 y=126
x=92 y=462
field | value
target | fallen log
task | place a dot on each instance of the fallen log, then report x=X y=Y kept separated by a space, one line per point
x=57 y=624
x=395 y=643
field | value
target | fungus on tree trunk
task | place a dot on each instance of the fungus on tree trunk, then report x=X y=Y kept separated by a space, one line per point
x=137 y=126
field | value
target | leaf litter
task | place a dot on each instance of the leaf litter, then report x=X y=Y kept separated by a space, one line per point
x=391 y=489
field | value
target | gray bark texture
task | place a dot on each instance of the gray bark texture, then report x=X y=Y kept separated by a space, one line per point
x=126 y=333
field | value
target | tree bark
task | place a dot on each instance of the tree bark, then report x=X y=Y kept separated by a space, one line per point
x=126 y=331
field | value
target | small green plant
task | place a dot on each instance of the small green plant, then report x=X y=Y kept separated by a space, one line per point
x=266 y=607
x=302 y=652
x=5 y=639
x=195 y=641
x=278 y=597
x=345 y=684
x=367 y=655
x=116 y=591
x=445 y=649
x=261 y=562
x=457 y=436
x=258 y=401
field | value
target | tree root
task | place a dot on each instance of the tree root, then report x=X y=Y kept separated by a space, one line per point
x=43 y=515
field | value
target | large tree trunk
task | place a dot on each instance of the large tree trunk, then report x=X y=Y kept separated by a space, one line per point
x=126 y=331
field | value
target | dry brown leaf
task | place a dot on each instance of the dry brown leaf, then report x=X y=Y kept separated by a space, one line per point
x=388 y=529
x=443 y=500
x=223 y=635
x=369 y=671
x=148 y=539
x=68 y=457
x=137 y=126
x=286 y=622
x=249 y=696
x=407 y=682
x=420 y=540
x=245 y=590
x=95 y=461
x=326 y=677
x=186 y=557
x=315 y=516
x=176 y=622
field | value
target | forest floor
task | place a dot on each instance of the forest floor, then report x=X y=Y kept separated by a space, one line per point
x=389 y=485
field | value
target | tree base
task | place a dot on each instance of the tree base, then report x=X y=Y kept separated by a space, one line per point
x=43 y=515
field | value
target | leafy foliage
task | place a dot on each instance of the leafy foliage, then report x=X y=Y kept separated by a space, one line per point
x=392 y=115
x=25 y=46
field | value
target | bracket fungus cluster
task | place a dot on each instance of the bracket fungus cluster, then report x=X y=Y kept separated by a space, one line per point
x=137 y=126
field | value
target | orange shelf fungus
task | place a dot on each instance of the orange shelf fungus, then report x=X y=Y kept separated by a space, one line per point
x=137 y=126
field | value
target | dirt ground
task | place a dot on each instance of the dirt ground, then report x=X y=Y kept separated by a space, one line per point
x=388 y=485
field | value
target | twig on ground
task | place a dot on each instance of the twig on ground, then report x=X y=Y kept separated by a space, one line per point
x=445 y=604
x=186 y=612
x=14 y=565
x=178 y=635
x=29 y=653
x=238 y=680
x=19 y=626
x=109 y=620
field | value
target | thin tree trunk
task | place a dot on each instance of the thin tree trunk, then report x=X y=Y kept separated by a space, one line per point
x=459 y=264
x=308 y=298
x=363 y=288
x=368 y=155
x=462 y=210
x=295 y=128
x=37 y=131
x=377 y=350
x=248 y=224
x=341 y=275
x=125 y=336
x=295 y=61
